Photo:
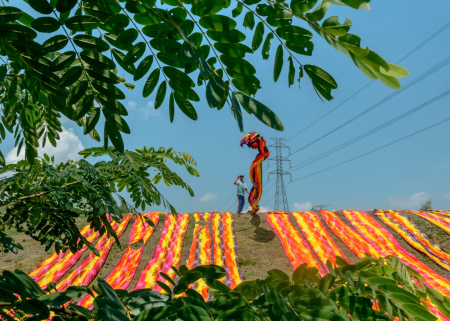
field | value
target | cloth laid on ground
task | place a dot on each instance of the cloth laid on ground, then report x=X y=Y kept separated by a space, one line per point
x=412 y=234
x=167 y=253
x=225 y=247
x=317 y=235
x=56 y=265
x=374 y=233
x=359 y=246
x=124 y=271
x=295 y=246
x=88 y=269
x=201 y=252
x=439 y=220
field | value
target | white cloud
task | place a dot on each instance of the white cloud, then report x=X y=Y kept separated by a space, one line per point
x=447 y=195
x=208 y=197
x=67 y=148
x=411 y=202
x=302 y=207
x=131 y=105
x=149 y=110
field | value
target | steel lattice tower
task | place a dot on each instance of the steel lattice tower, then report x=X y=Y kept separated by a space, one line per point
x=281 y=202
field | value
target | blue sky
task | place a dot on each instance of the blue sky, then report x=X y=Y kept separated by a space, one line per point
x=401 y=176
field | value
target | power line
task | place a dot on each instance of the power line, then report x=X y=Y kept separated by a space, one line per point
x=372 y=131
x=410 y=84
x=406 y=56
x=377 y=149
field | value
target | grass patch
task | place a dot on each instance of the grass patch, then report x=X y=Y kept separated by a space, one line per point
x=246 y=261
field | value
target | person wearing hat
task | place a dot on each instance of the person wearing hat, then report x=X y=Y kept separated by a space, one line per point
x=241 y=189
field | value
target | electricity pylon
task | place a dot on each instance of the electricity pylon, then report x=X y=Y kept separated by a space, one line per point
x=281 y=202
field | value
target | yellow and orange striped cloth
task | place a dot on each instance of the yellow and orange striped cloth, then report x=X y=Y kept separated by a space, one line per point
x=442 y=221
x=295 y=246
x=316 y=234
x=88 y=269
x=123 y=272
x=412 y=234
x=167 y=252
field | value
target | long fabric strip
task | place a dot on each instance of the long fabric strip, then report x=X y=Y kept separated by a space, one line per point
x=374 y=233
x=412 y=234
x=167 y=252
x=88 y=269
x=359 y=246
x=225 y=248
x=56 y=265
x=124 y=271
x=316 y=234
x=295 y=246
x=436 y=219
x=201 y=252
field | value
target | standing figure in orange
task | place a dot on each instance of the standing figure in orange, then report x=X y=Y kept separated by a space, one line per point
x=255 y=141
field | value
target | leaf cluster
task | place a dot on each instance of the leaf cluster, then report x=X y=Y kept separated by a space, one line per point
x=370 y=289
x=44 y=200
x=62 y=57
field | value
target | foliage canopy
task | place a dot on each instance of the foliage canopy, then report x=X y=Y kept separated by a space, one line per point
x=61 y=57
x=371 y=289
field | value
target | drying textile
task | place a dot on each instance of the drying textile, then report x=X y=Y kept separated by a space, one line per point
x=167 y=252
x=124 y=271
x=412 y=234
x=316 y=234
x=439 y=220
x=88 y=269
x=374 y=233
x=295 y=246
x=56 y=265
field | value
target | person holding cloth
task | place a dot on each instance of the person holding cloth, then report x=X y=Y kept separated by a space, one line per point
x=241 y=189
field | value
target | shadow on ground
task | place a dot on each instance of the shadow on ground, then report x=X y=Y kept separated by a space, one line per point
x=261 y=234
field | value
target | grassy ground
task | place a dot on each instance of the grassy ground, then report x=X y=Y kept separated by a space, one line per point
x=259 y=248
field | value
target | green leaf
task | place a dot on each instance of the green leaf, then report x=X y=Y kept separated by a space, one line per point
x=127 y=37
x=193 y=313
x=205 y=68
x=356 y=4
x=171 y=59
x=237 y=112
x=97 y=59
x=278 y=63
x=291 y=76
x=394 y=71
x=146 y=18
x=160 y=94
x=91 y=43
x=114 y=135
x=281 y=19
x=159 y=30
x=302 y=6
x=353 y=44
x=143 y=68
x=9 y=14
x=215 y=91
x=266 y=46
x=320 y=315
x=151 y=83
x=82 y=23
x=332 y=26
x=171 y=108
x=188 y=53
x=65 y=5
x=156 y=313
x=41 y=6
x=319 y=13
x=207 y=7
x=78 y=92
x=237 y=11
x=231 y=36
x=321 y=76
x=239 y=65
x=238 y=315
x=294 y=34
x=116 y=23
x=84 y=106
x=304 y=48
x=217 y=23
x=258 y=36
x=178 y=76
x=26 y=19
x=108 y=90
x=135 y=53
x=45 y=24
x=249 y=20
x=232 y=49
x=185 y=106
x=55 y=43
x=262 y=112
x=71 y=76
x=119 y=56
x=103 y=75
